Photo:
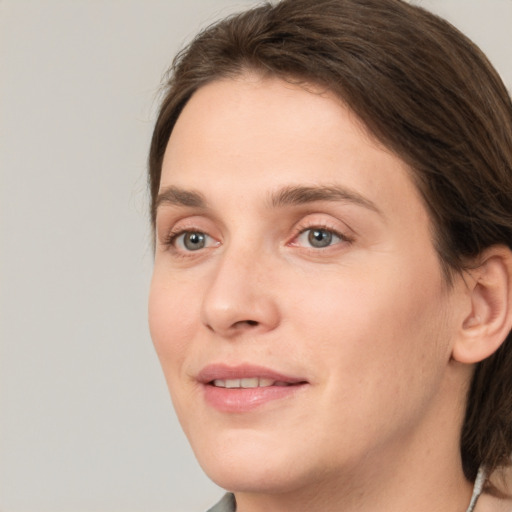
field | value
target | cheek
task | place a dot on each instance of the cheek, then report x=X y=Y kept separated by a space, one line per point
x=171 y=323
x=379 y=323
x=378 y=352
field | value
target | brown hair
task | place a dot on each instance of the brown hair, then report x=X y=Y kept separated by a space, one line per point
x=426 y=92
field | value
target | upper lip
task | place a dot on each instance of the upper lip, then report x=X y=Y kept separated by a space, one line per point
x=243 y=371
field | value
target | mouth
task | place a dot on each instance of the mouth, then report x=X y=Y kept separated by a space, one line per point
x=248 y=383
x=243 y=388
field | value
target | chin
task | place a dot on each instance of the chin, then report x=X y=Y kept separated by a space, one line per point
x=255 y=478
x=251 y=466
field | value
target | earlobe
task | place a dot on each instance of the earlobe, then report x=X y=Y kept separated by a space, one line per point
x=489 y=320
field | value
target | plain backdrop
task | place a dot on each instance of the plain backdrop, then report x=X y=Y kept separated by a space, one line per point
x=85 y=419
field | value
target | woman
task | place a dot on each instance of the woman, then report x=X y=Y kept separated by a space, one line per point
x=331 y=187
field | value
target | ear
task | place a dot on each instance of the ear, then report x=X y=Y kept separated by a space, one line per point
x=489 y=320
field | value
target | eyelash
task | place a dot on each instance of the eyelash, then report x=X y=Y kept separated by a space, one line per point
x=321 y=227
x=172 y=237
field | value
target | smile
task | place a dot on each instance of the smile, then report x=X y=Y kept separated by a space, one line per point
x=248 y=383
x=244 y=388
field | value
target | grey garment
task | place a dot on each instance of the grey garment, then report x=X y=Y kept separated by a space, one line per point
x=228 y=503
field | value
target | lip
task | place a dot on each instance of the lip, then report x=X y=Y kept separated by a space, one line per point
x=243 y=371
x=237 y=400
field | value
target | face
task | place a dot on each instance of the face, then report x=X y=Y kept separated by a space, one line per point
x=297 y=306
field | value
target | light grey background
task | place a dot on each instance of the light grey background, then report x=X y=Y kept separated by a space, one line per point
x=85 y=419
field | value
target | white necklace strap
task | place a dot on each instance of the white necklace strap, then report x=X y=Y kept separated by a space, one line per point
x=477 y=489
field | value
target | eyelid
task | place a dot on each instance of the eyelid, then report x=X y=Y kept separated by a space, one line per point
x=334 y=239
x=172 y=228
x=342 y=239
x=171 y=238
x=169 y=219
x=177 y=240
x=314 y=222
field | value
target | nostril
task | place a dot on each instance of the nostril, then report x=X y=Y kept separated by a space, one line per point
x=246 y=323
x=236 y=326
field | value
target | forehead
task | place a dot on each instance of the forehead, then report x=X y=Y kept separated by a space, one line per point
x=265 y=109
x=249 y=135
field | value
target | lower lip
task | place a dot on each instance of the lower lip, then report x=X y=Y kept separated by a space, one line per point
x=246 y=399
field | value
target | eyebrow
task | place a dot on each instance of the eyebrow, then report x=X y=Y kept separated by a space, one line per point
x=175 y=196
x=287 y=196
x=297 y=195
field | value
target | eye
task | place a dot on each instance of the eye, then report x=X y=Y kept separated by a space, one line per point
x=192 y=240
x=319 y=238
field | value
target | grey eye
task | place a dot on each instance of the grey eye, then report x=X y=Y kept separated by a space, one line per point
x=193 y=240
x=319 y=238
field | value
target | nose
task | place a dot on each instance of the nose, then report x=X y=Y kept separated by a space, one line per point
x=240 y=297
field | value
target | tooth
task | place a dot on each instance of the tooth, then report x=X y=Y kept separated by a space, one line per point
x=232 y=383
x=249 y=383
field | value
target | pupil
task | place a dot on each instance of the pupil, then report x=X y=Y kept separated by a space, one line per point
x=320 y=238
x=194 y=241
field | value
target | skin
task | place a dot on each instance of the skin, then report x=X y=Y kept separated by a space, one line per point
x=368 y=321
